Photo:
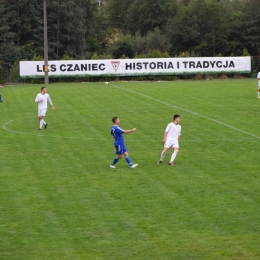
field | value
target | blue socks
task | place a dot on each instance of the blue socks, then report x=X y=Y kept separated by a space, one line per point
x=128 y=161
x=115 y=161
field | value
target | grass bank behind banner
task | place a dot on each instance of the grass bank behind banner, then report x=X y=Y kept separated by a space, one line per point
x=60 y=200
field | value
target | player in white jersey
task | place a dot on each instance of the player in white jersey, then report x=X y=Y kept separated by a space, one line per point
x=171 y=139
x=258 y=76
x=42 y=99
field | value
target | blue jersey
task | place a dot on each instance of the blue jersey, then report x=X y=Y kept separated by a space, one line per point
x=117 y=132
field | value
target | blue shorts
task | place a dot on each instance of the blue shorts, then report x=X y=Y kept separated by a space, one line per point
x=120 y=149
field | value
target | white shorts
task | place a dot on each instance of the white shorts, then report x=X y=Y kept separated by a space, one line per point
x=171 y=143
x=42 y=112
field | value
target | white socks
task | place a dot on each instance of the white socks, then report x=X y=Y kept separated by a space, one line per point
x=162 y=155
x=174 y=155
x=42 y=122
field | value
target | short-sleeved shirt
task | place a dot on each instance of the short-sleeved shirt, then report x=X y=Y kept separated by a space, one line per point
x=117 y=133
x=173 y=131
x=45 y=97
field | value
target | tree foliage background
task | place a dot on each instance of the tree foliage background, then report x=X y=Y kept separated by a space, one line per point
x=81 y=29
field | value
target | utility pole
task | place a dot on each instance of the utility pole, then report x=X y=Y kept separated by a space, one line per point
x=46 y=67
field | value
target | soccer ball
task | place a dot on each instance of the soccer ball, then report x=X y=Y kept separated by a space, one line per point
x=106 y=83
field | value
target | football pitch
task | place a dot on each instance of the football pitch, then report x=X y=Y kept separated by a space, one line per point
x=59 y=199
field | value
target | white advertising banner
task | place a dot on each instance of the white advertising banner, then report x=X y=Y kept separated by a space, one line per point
x=136 y=67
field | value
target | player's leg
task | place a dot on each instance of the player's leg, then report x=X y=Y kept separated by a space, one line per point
x=258 y=88
x=1 y=94
x=41 y=115
x=44 y=113
x=165 y=149
x=40 y=120
x=128 y=160
x=175 y=152
x=112 y=165
x=44 y=123
x=117 y=158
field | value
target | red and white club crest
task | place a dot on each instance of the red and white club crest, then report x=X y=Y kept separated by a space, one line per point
x=115 y=65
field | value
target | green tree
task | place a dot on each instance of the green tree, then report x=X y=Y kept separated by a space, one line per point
x=200 y=26
x=158 y=54
x=251 y=26
x=117 y=14
x=123 y=46
x=27 y=26
x=7 y=22
x=215 y=37
x=65 y=56
x=95 y=56
x=145 y=16
x=79 y=28
x=245 y=52
x=154 y=40
x=9 y=52
x=37 y=58
x=234 y=35
x=1 y=74
x=14 y=72
x=19 y=28
x=69 y=26
x=140 y=46
x=100 y=32
x=184 y=33
x=157 y=40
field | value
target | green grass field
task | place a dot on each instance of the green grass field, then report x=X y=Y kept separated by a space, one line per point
x=60 y=200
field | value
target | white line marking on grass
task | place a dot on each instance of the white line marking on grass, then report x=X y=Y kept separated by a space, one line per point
x=189 y=111
x=4 y=126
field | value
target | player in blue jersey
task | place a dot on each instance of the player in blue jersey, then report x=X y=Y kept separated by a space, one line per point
x=119 y=143
x=1 y=94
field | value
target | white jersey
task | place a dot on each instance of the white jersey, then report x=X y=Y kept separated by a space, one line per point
x=173 y=131
x=45 y=97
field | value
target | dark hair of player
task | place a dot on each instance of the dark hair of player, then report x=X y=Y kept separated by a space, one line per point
x=114 y=119
x=42 y=88
x=175 y=116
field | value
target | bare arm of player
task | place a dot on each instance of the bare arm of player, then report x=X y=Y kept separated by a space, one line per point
x=52 y=107
x=129 y=131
